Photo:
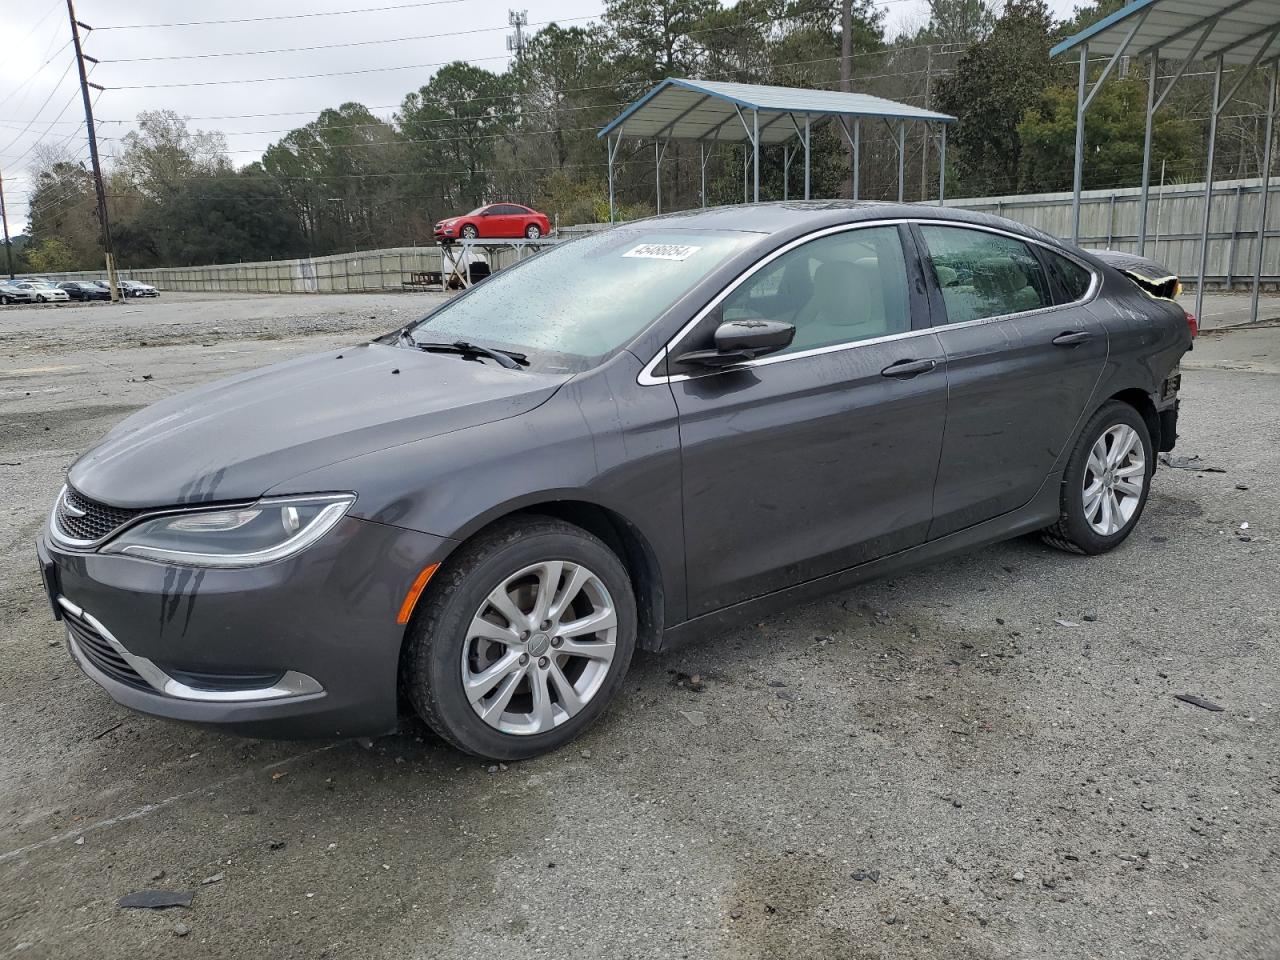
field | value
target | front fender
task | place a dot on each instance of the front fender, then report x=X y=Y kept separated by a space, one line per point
x=601 y=440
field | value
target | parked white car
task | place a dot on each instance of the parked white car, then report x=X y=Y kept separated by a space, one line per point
x=40 y=292
x=136 y=288
x=15 y=291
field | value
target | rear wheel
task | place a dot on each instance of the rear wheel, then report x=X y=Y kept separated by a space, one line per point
x=532 y=231
x=522 y=639
x=1106 y=484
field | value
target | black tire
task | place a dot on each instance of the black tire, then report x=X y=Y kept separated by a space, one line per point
x=1073 y=532
x=469 y=232
x=431 y=666
x=40 y=298
x=532 y=231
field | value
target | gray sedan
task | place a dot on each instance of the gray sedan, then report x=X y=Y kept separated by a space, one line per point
x=632 y=440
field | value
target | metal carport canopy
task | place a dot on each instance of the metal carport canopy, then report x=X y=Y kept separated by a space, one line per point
x=1173 y=27
x=1242 y=33
x=713 y=111
x=702 y=109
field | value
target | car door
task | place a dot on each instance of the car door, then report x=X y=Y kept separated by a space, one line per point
x=822 y=456
x=1023 y=361
x=499 y=222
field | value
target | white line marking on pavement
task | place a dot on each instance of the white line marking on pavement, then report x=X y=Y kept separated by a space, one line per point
x=147 y=808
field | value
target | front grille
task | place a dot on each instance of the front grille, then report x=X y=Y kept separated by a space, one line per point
x=98 y=520
x=99 y=652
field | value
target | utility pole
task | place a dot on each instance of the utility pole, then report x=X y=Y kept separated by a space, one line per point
x=846 y=74
x=93 y=149
x=4 y=217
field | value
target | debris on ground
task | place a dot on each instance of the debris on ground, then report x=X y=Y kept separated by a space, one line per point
x=181 y=929
x=693 y=682
x=156 y=899
x=1066 y=623
x=1193 y=463
x=696 y=718
x=1199 y=702
x=216 y=878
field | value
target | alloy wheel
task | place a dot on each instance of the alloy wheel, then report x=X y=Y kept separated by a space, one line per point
x=539 y=648
x=1114 y=478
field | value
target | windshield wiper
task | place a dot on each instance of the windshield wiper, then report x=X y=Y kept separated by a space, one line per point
x=507 y=358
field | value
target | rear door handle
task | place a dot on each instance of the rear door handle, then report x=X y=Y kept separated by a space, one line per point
x=1072 y=339
x=906 y=369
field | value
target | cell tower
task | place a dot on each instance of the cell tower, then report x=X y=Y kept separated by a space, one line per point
x=519 y=19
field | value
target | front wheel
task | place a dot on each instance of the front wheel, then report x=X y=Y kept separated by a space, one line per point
x=469 y=232
x=40 y=299
x=521 y=640
x=1106 y=484
x=532 y=231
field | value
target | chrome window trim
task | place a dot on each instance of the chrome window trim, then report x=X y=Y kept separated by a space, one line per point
x=291 y=684
x=648 y=378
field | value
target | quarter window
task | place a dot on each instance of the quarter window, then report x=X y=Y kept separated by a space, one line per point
x=985 y=274
x=1073 y=280
x=837 y=289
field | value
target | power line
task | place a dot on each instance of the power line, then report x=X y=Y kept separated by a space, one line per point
x=40 y=110
x=283 y=16
x=327 y=46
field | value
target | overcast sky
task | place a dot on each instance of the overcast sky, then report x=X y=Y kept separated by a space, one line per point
x=39 y=99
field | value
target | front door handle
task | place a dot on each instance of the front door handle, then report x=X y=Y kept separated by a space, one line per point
x=1072 y=339
x=906 y=369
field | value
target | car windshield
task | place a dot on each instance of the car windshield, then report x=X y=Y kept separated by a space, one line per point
x=569 y=307
x=476 y=212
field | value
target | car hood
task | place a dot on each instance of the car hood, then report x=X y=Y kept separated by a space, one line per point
x=234 y=439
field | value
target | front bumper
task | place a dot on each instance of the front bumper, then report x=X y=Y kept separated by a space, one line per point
x=302 y=648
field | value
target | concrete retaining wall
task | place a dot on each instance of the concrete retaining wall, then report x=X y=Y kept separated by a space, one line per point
x=1109 y=219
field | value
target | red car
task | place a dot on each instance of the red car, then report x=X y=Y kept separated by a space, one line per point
x=495 y=220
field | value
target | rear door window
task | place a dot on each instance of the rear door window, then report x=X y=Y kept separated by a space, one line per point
x=985 y=274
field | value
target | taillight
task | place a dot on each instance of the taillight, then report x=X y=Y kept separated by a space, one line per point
x=1193 y=324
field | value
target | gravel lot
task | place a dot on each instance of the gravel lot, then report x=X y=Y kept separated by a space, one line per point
x=982 y=759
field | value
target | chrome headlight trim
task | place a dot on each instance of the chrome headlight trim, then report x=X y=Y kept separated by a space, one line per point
x=334 y=507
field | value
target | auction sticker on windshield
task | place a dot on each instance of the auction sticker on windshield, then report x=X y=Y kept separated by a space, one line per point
x=662 y=251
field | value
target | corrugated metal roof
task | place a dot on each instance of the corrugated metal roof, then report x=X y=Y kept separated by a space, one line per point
x=695 y=109
x=1175 y=27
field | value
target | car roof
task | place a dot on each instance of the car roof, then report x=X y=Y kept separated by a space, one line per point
x=788 y=216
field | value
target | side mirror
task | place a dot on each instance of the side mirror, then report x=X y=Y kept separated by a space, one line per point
x=740 y=340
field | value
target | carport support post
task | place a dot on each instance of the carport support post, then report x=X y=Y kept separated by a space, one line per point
x=1208 y=190
x=942 y=168
x=902 y=159
x=1153 y=68
x=657 y=170
x=702 y=168
x=857 y=156
x=755 y=152
x=806 y=157
x=1260 y=245
x=613 y=213
x=1077 y=176
x=786 y=171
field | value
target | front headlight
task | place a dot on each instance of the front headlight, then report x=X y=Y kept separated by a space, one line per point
x=234 y=537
